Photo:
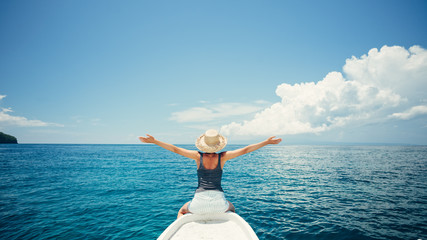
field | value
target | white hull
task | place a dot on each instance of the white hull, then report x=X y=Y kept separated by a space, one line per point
x=224 y=226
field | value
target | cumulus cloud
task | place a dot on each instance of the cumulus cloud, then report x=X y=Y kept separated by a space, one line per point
x=384 y=84
x=7 y=119
x=215 y=111
x=411 y=113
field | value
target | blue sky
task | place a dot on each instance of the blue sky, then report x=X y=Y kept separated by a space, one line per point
x=307 y=71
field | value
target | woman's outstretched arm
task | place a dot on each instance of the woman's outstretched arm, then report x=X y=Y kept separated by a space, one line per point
x=238 y=152
x=181 y=151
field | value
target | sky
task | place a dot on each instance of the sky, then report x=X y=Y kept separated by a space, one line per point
x=310 y=72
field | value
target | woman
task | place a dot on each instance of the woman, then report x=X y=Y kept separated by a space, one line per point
x=209 y=196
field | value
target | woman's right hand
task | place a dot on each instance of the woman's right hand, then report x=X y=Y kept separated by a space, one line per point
x=148 y=139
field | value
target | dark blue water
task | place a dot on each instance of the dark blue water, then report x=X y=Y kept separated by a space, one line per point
x=283 y=192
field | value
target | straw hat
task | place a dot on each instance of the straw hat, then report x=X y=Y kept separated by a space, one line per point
x=211 y=141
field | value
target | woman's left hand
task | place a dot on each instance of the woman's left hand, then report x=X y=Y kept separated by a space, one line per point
x=271 y=140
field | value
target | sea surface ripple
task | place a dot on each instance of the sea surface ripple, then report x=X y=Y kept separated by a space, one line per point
x=50 y=191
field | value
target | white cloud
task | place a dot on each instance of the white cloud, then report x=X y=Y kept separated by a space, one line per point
x=411 y=113
x=7 y=119
x=214 y=112
x=376 y=85
x=6 y=110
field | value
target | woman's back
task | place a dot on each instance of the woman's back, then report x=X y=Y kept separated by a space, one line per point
x=209 y=172
x=210 y=161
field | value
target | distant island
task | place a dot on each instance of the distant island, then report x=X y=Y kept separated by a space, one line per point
x=5 y=138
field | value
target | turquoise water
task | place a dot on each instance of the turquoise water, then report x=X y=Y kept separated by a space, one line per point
x=283 y=192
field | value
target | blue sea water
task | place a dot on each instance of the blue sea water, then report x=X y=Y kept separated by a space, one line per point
x=283 y=192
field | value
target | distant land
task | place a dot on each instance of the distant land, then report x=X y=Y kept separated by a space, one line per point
x=5 y=138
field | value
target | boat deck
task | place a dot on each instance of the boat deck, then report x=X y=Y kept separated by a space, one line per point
x=218 y=226
x=210 y=230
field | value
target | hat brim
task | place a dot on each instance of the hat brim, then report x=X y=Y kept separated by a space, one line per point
x=202 y=146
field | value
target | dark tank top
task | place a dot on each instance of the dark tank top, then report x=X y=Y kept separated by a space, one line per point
x=209 y=179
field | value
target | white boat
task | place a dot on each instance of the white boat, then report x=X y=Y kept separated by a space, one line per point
x=224 y=226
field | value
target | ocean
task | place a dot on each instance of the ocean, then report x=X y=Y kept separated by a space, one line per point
x=50 y=191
